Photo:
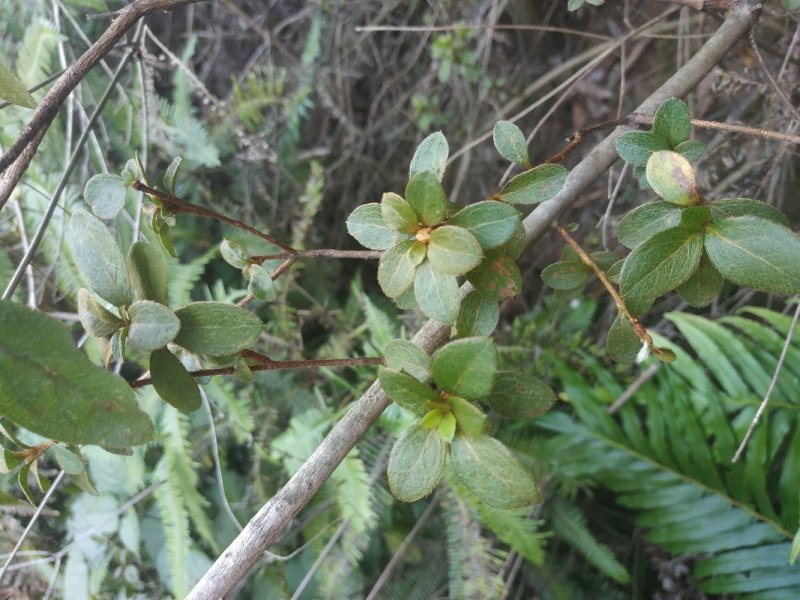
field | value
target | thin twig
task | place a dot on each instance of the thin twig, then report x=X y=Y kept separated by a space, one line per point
x=643 y=378
x=763 y=406
x=183 y=206
x=601 y=275
x=787 y=102
x=324 y=253
x=276 y=365
x=442 y=28
x=31 y=523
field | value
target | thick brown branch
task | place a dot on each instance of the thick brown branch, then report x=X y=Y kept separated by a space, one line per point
x=275 y=365
x=267 y=526
x=179 y=205
x=17 y=158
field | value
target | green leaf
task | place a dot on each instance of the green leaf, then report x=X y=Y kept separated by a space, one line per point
x=71 y=462
x=636 y=147
x=491 y=222
x=98 y=258
x=535 y=185
x=519 y=395
x=51 y=388
x=173 y=382
x=453 y=250
x=641 y=176
x=426 y=195
x=431 y=155
x=740 y=207
x=466 y=367
x=478 y=315
x=644 y=221
x=672 y=121
x=702 y=287
x=436 y=294
x=216 y=328
x=791 y=5
x=147 y=273
x=510 y=143
x=695 y=218
x=433 y=418
x=407 y=391
x=398 y=214
x=661 y=263
x=171 y=174
x=605 y=260
x=234 y=254
x=622 y=343
x=492 y=473
x=105 y=194
x=12 y=90
x=366 y=224
x=566 y=275
x=515 y=245
x=691 y=150
x=672 y=177
x=755 y=253
x=416 y=463
x=447 y=427
x=96 y=320
x=397 y=266
x=615 y=270
x=497 y=276
x=470 y=418
x=152 y=325
x=260 y=283
x=406 y=356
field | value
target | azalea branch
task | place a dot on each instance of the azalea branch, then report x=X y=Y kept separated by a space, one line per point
x=323 y=253
x=179 y=205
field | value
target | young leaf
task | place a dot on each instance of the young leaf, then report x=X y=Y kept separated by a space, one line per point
x=672 y=177
x=466 y=367
x=105 y=194
x=396 y=268
x=433 y=418
x=366 y=224
x=497 y=276
x=741 y=207
x=431 y=155
x=49 y=387
x=147 y=273
x=398 y=214
x=173 y=383
x=470 y=418
x=406 y=391
x=171 y=174
x=234 y=254
x=96 y=320
x=702 y=287
x=755 y=253
x=491 y=222
x=152 y=325
x=453 y=250
x=636 y=147
x=260 y=283
x=510 y=143
x=661 y=263
x=447 y=427
x=622 y=344
x=672 y=121
x=416 y=463
x=436 y=294
x=519 y=395
x=98 y=258
x=406 y=356
x=478 y=315
x=535 y=185
x=492 y=473
x=644 y=221
x=12 y=90
x=216 y=328
x=691 y=150
x=426 y=195
x=566 y=275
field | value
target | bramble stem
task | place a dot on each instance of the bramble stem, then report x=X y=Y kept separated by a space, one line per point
x=181 y=205
x=601 y=275
x=274 y=365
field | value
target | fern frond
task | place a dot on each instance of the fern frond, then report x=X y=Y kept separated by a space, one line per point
x=184 y=276
x=36 y=52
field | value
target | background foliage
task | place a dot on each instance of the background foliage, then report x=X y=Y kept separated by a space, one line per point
x=288 y=118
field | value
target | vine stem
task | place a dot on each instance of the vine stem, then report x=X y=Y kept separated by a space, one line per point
x=274 y=365
x=601 y=275
x=183 y=206
x=771 y=388
x=271 y=521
